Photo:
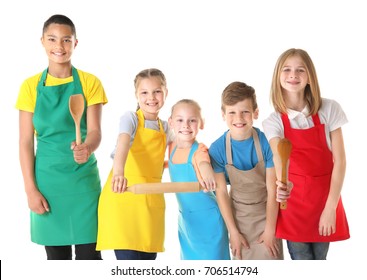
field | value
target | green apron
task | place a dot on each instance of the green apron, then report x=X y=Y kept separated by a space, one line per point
x=71 y=189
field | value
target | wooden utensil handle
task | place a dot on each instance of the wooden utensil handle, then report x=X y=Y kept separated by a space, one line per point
x=283 y=205
x=78 y=136
x=284 y=150
x=153 y=188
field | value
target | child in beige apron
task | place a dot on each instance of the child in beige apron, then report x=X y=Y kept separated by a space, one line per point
x=248 y=196
x=242 y=158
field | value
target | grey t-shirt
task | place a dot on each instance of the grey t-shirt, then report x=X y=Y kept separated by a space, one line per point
x=129 y=123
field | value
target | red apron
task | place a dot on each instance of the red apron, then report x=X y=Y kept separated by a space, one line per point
x=310 y=167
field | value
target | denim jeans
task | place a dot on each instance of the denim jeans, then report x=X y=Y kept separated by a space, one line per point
x=308 y=251
x=134 y=255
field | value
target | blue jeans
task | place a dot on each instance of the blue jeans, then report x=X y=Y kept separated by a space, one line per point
x=134 y=255
x=308 y=251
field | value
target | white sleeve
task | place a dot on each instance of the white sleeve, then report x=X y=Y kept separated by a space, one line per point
x=273 y=126
x=335 y=117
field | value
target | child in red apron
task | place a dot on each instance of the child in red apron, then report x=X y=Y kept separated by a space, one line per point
x=242 y=158
x=315 y=215
x=133 y=224
x=62 y=179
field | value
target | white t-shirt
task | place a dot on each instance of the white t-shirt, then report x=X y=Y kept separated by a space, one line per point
x=331 y=114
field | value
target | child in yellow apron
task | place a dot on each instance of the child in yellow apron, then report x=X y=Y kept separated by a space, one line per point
x=133 y=224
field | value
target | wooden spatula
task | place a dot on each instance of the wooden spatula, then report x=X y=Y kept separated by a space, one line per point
x=76 y=107
x=284 y=150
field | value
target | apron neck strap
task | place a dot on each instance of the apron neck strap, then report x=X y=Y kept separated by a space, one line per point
x=255 y=136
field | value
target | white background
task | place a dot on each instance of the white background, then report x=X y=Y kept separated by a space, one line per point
x=201 y=46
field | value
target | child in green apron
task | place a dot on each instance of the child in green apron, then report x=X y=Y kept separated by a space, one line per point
x=61 y=179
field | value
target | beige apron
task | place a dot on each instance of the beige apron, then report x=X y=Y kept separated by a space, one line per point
x=248 y=195
x=135 y=221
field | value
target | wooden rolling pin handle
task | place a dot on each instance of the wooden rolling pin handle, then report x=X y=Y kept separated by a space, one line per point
x=166 y=187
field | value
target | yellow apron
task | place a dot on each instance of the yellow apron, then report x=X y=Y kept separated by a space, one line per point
x=135 y=221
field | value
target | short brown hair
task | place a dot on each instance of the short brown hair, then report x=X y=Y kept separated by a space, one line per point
x=236 y=92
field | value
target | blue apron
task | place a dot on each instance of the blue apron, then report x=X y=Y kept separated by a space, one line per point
x=201 y=230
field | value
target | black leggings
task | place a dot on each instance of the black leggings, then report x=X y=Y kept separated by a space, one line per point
x=82 y=252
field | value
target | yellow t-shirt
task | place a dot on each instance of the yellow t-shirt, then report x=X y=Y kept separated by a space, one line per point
x=92 y=88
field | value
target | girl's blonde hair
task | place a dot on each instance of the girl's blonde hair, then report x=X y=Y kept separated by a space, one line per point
x=192 y=103
x=148 y=73
x=312 y=90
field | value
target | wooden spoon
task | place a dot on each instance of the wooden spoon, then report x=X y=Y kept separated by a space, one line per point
x=284 y=150
x=76 y=107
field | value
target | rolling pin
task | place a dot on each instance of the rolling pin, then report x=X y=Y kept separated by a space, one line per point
x=169 y=187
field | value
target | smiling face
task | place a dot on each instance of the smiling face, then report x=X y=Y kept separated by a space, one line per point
x=239 y=118
x=293 y=75
x=151 y=94
x=186 y=121
x=59 y=43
